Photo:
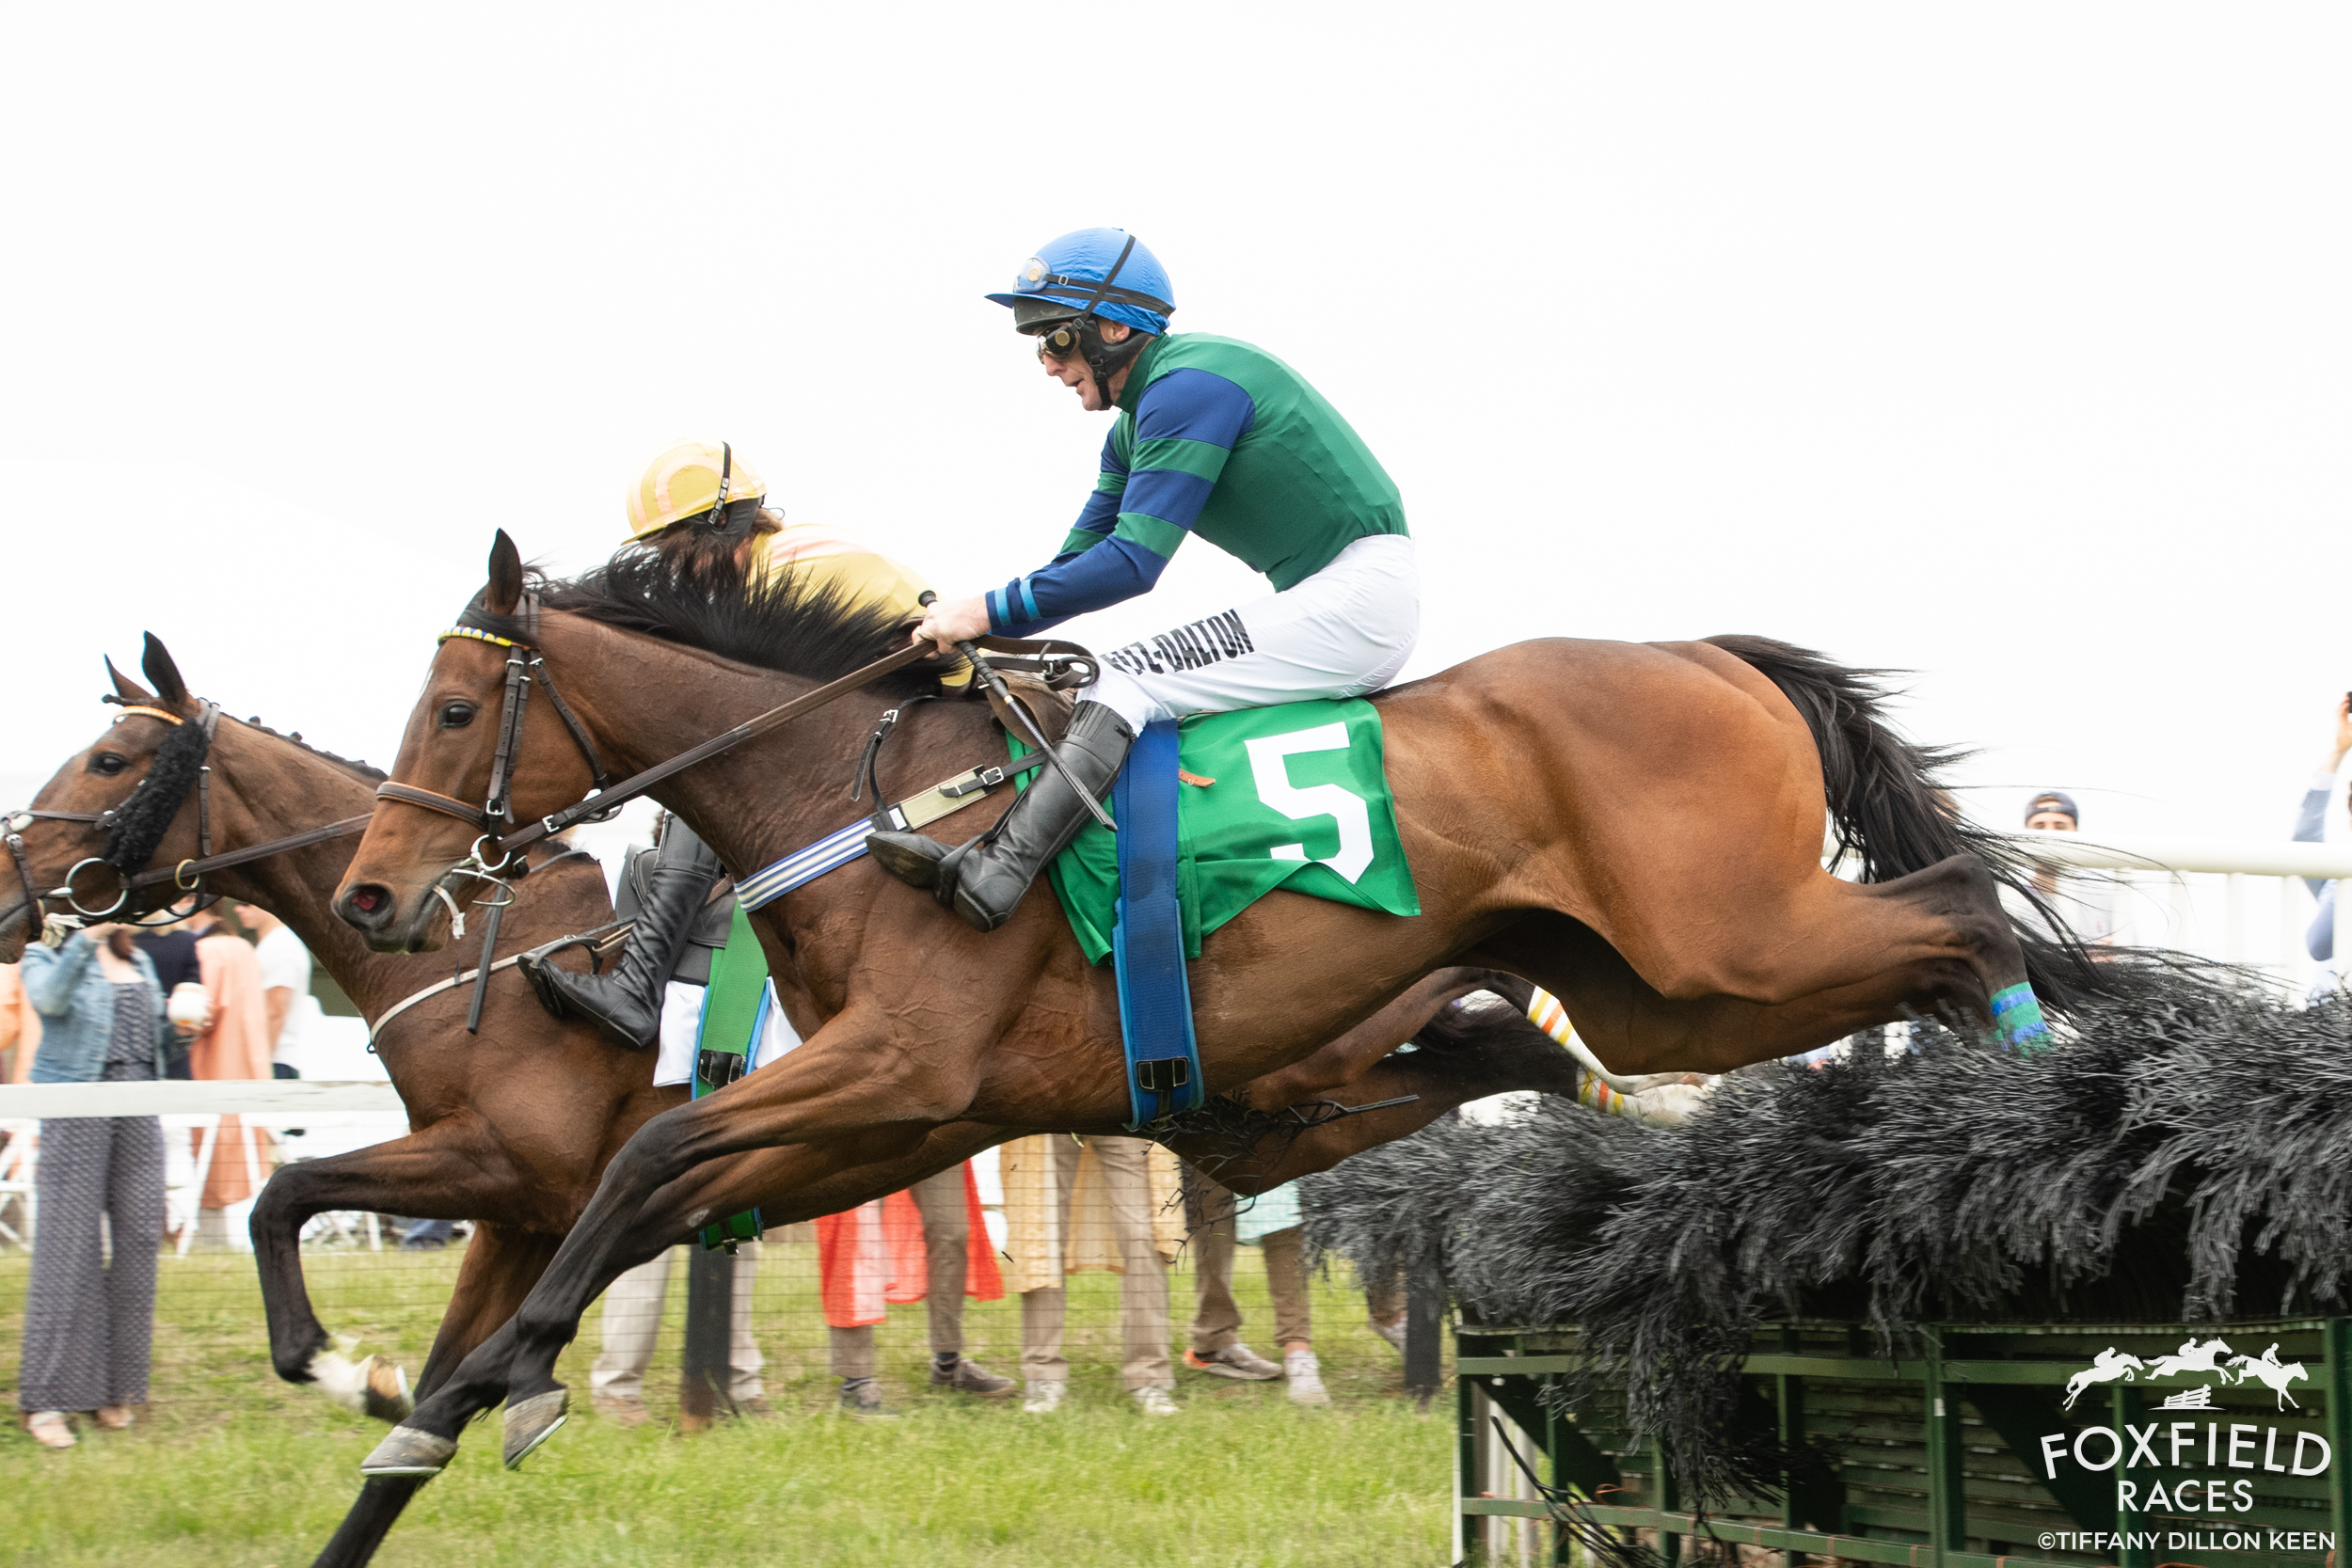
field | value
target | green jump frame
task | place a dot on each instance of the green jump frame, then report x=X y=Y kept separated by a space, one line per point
x=1939 y=1458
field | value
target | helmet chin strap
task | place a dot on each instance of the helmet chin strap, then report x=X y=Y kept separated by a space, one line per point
x=1107 y=359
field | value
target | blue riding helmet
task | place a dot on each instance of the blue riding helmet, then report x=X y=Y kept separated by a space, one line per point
x=1068 y=273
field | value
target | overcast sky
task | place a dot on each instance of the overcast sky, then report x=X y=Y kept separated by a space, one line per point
x=2005 y=344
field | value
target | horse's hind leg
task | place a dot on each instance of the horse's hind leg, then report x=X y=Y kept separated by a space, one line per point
x=1342 y=1060
x=1459 y=1057
x=1703 y=993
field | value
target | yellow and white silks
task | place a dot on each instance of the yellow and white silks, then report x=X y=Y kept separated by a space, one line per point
x=1656 y=1099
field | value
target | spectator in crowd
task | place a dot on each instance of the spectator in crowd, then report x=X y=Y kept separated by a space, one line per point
x=2085 y=904
x=20 y=1027
x=866 y=1260
x=236 y=1045
x=20 y=1037
x=2310 y=827
x=1094 y=1202
x=633 y=1321
x=1274 y=1224
x=88 y=1323
x=172 y=950
x=285 y=965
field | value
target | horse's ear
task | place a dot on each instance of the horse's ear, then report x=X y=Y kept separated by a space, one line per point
x=130 y=691
x=170 y=690
x=505 y=590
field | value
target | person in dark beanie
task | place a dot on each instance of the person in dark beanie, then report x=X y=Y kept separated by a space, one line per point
x=2085 y=904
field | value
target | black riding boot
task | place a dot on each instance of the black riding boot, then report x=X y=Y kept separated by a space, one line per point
x=983 y=881
x=626 y=1004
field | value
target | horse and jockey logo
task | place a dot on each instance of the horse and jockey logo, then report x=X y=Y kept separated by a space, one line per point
x=2213 y=1355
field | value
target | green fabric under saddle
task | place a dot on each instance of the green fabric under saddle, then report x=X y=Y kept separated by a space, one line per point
x=1291 y=797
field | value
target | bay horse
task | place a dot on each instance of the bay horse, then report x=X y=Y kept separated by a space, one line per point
x=512 y=1128
x=1636 y=827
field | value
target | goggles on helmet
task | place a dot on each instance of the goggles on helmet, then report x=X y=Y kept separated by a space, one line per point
x=1058 y=339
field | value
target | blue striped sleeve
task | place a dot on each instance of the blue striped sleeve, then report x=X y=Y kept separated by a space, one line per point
x=1185 y=425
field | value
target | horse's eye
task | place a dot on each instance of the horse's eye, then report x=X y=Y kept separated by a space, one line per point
x=457 y=715
x=109 y=763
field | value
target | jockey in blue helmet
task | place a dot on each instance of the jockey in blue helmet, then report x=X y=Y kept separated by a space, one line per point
x=1214 y=438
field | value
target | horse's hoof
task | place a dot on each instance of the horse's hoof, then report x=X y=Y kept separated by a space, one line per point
x=409 y=1452
x=532 y=1423
x=385 y=1390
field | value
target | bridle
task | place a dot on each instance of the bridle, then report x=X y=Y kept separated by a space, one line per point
x=525 y=667
x=187 y=876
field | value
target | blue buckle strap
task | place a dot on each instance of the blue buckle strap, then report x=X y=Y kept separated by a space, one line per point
x=1147 y=937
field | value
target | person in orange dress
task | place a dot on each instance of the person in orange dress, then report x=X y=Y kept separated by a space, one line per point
x=20 y=1028
x=236 y=1045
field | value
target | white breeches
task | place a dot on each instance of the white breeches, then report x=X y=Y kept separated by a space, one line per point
x=1344 y=632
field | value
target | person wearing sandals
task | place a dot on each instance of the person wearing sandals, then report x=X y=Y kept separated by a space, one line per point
x=88 y=1323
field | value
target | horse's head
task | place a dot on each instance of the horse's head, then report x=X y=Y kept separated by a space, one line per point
x=400 y=888
x=123 y=802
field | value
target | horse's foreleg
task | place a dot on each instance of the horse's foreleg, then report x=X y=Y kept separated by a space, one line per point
x=436 y=1172
x=502 y=1265
x=651 y=1196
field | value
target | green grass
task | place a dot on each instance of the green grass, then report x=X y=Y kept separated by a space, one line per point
x=231 y=1466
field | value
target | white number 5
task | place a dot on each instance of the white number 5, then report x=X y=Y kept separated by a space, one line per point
x=1271 y=771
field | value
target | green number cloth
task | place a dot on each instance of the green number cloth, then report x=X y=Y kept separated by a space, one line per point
x=1291 y=797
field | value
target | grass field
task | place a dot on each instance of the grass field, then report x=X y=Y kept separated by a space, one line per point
x=231 y=1466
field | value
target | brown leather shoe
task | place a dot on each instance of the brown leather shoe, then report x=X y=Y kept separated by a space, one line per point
x=621 y=1413
x=965 y=1375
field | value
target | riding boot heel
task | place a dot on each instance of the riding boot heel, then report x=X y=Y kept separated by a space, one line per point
x=626 y=1004
x=913 y=858
x=993 y=872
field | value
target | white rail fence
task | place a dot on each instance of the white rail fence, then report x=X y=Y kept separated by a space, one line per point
x=2202 y=895
x=310 y=1120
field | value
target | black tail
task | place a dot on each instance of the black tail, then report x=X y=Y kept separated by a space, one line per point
x=1888 y=808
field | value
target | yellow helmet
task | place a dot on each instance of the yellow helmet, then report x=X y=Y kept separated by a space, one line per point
x=687 y=480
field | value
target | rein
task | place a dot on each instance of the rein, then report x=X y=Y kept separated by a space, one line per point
x=187 y=876
x=494 y=816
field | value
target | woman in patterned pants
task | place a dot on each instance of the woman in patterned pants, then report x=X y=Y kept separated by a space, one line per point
x=88 y=1323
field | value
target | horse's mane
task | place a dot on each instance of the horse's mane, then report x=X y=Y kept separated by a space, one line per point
x=781 y=620
x=360 y=770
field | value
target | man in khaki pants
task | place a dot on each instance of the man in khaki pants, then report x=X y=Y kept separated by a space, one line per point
x=1118 y=1226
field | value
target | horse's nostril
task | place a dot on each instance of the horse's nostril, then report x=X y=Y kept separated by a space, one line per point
x=366 y=899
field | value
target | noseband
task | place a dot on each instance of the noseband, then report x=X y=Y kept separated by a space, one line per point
x=187 y=876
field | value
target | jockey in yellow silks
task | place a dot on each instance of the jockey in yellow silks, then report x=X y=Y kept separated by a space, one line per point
x=693 y=499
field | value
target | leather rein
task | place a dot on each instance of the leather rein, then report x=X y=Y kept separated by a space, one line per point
x=1063 y=664
x=187 y=876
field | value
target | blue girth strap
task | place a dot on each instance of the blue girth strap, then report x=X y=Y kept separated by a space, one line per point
x=1148 y=938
